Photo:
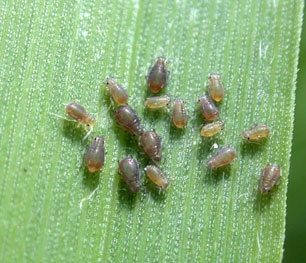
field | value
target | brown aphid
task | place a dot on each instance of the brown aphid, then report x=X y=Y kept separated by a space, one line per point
x=269 y=178
x=179 y=115
x=127 y=118
x=215 y=88
x=212 y=129
x=221 y=158
x=156 y=176
x=157 y=102
x=258 y=132
x=94 y=157
x=79 y=114
x=209 y=109
x=151 y=144
x=129 y=171
x=158 y=75
x=117 y=91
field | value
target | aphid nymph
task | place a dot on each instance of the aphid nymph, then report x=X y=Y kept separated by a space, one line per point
x=95 y=155
x=215 y=87
x=212 y=129
x=179 y=115
x=117 y=91
x=258 y=132
x=129 y=171
x=223 y=157
x=79 y=114
x=156 y=176
x=157 y=77
x=127 y=118
x=157 y=102
x=151 y=144
x=269 y=178
x=209 y=109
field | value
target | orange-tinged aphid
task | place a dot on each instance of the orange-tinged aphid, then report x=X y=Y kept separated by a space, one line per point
x=209 y=109
x=127 y=118
x=151 y=144
x=179 y=115
x=158 y=75
x=215 y=88
x=80 y=115
x=117 y=91
x=258 y=132
x=129 y=171
x=94 y=157
x=223 y=157
x=269 y=178
x=212 y=129
x=156 y=176
x=157 y=102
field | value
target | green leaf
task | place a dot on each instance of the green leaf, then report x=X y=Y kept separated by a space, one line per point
x=53 y=52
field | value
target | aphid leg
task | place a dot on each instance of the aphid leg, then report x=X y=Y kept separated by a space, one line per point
x=61 y=117
x=88 y=133
x=88 y=197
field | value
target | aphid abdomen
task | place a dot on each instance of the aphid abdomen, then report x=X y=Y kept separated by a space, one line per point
x=156 y=176
x=129 y=171
x=78 y=112
x=209 y=109
x=269 y=178
x=212 y=129
x=258 y=132
x=151 y=144
x=179 y=115
x=221 y=158
x=157 y=102
x=94 y=157
x=215 y=88
x=118 y=93
x=127 y=118
x=158 y=76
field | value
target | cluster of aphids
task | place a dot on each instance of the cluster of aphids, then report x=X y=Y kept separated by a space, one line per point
x=150 y=141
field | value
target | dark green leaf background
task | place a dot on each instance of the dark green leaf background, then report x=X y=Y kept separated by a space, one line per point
x=53 y=52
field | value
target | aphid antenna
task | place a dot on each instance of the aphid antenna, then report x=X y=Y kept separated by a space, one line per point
x=88 y=133
x=61 y=117
x=87 y=83
x=88 y=197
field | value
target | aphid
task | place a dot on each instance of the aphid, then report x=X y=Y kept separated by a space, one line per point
x=157 y=102
x=269 y=178
x=79 y=114
x=158 y=75
x=117 y=91
x=151 y=144
x=94 y=157
x=156 y=176
x=221 y=158
x=127 y=118
x=209 y=109
x=179 y=115
x=258 y=132
x=215 y=88
x=129 y=171
x=211 y=129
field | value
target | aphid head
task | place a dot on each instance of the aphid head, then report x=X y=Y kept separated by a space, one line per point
x=100 y=138
x=200 y=99
x=214 y=76
x=162 y=60
x=90 y=121
x=110 y=81
x=246 y=135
